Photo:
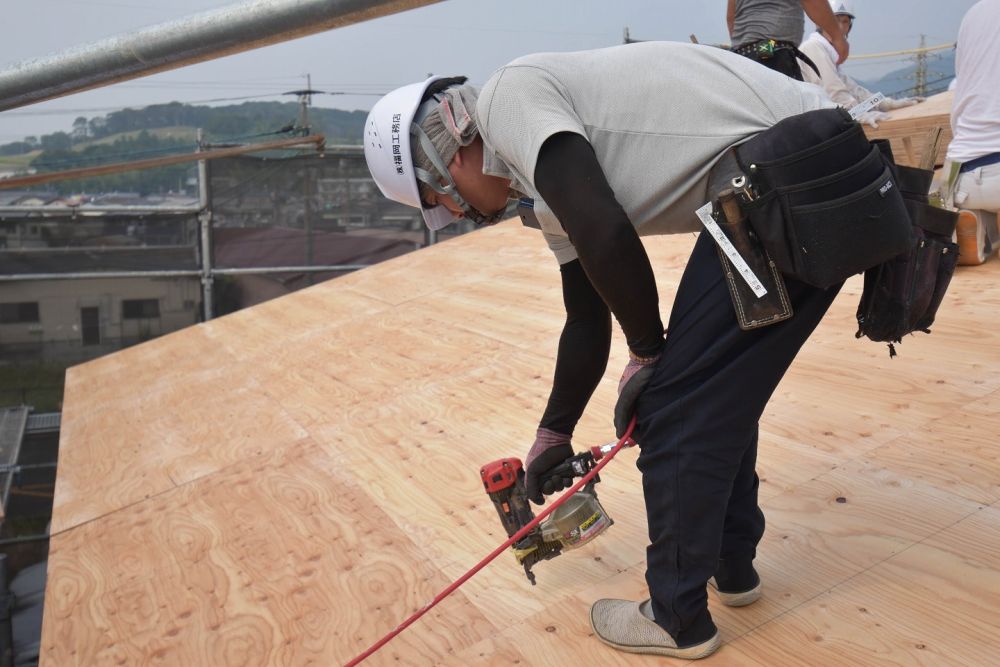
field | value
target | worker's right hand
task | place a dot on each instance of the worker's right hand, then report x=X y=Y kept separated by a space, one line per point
x=843 y=48
x=550 y=449
x=634 y=379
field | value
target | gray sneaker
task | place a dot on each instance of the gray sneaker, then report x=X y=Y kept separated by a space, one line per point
x=628 y=626
x=737 y=582
x=736 y=598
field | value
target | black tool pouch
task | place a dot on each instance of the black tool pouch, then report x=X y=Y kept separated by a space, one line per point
x=752 y=312
x=902 y=295
x=823 y=201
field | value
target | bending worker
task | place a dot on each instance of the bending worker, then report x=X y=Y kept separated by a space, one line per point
x=769 y=31
x=610 y=144
x=841 y=88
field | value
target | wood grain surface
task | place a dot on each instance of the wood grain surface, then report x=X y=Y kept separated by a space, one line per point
x=907 y=128
x=284 y=485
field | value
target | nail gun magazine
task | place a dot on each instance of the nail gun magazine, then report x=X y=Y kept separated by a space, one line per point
x=576 y=522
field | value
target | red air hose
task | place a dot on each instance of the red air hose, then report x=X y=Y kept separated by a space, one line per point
x=500 y=549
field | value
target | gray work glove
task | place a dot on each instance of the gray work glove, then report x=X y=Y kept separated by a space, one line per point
x=636 y=375
x=888 y=104
x=873 y=118
x=550 y=449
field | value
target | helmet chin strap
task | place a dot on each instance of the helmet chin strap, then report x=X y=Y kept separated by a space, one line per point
x=449 y=189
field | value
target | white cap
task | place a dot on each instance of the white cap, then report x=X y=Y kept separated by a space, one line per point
x=388 y=152
x=842 y=8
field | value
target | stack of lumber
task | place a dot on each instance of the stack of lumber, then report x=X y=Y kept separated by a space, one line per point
x=284 y=485
x=907 y=129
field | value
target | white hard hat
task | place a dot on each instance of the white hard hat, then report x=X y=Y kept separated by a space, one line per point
x=842 y=8
x=388 y=152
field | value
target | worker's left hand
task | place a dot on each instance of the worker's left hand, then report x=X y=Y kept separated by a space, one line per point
x=873 y=118
x=549 y=450
x=635 y=377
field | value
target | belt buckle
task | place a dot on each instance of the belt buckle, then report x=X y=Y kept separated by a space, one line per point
x=765 y=48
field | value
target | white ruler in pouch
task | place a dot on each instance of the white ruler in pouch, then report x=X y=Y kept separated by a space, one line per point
x=867 y=105
x=705 y=215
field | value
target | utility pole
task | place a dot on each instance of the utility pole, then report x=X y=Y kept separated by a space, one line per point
x=305 y=100
x=920 y=89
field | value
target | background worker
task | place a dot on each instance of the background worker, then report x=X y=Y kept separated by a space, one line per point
x=975 y=123
x=610 y=143
x=770 y=31
x=841 y=88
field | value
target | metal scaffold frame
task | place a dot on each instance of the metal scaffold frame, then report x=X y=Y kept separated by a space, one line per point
x=198 y=38
x=165 y=46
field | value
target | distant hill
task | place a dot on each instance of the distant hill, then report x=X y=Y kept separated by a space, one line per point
x=900 y=83
x=132 y=134
x=223 y=123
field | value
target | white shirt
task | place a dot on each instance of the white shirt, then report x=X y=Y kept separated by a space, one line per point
x=975 y=112
x=841 y=88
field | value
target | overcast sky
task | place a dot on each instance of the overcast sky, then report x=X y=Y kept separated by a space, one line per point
x=471 y=37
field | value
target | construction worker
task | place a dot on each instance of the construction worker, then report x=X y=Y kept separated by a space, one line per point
x=770 y=31
x=600 y=147
x=841 y=88
x=975 y=121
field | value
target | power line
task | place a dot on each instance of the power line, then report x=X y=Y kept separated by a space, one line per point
x=84 y=160
x=905 y=52
x=912 y=90
x=61 y=112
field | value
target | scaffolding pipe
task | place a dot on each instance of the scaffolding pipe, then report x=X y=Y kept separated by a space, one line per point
x=180 y=273
x=39 y=213
x=151 y=163
x=197 y=38
x=288 y=269
x=205 y=229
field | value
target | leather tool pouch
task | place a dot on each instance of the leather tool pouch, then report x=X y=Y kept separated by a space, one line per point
x=902 y=295
x=823 y=200
x=752 y=312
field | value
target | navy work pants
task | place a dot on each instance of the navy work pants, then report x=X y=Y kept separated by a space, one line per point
x=697 y=430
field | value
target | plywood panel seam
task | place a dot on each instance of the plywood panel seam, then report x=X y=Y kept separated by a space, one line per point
x=176 y=485
x=119 y=510
x=861 y=572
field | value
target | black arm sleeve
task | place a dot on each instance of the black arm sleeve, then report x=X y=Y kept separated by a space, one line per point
x=583 y=350
x=571 y=181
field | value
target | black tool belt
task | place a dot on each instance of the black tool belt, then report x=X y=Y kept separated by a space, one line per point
x=823 y=201
x=763 y=49
x=903 y=294
x=766 y=49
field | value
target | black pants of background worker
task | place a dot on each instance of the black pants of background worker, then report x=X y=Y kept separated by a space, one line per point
x=697 y=429
x=783 y=60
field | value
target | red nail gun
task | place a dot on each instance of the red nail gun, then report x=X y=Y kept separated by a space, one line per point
x=574 y=523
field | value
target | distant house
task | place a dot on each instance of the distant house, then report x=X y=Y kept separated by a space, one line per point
x=282 y=246
x=15 y=197
x=76 y=319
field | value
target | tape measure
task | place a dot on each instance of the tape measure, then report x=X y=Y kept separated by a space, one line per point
x=867 y=105
x=753 y=282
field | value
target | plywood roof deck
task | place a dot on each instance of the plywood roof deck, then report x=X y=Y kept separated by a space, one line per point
x=284 y=485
